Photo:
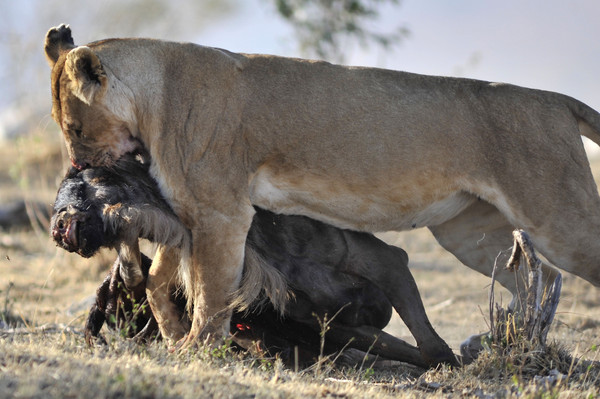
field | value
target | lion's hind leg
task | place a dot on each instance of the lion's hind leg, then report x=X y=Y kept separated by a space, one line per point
x=545 y=186
x=480 y=237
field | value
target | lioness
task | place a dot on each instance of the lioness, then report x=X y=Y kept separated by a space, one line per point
x=321 y=265
x=360 y=148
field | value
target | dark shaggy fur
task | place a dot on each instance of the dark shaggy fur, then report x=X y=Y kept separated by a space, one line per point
x=328 y=271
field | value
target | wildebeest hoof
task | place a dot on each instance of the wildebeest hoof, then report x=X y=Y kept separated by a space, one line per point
x=443 y=356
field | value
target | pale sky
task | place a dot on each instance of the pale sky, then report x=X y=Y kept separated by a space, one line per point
x=549 y=44
x=545 y=44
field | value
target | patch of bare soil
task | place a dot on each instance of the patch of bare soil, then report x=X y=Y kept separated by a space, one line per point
x=45 y=294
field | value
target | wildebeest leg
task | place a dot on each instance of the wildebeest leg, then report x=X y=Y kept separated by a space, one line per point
x=481 y=236
x=161 y=279
x=96 y=317
x=135 y=222
x=386 y=267
x=373 y=340
x=130 y=261
x=120 y=307
x=148 y=331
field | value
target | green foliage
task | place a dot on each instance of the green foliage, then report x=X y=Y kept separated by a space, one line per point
x=125 y=321
x=222 y=351
x=325 y=27
x=368 y=374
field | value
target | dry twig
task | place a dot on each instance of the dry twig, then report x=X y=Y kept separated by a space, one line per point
x=508 y=327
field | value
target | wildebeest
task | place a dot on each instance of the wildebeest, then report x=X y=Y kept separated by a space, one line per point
x=327 y=270
x=260 y=330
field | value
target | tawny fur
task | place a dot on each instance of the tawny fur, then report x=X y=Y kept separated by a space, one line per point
x=360 y=148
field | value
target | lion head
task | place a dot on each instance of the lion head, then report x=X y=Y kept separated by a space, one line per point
x=92 y=107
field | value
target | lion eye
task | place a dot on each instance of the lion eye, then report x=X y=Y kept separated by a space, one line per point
x=78 y=133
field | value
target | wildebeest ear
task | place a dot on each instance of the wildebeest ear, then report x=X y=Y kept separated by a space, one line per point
x=85 y=71
x=58 y=41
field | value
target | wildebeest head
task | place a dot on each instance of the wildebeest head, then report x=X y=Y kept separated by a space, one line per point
x=77 y=223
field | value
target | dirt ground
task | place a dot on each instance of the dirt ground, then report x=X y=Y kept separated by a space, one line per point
x=41 y=285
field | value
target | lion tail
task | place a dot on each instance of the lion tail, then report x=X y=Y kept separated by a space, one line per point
x=185 y=276
x=588 y=119
x=261 y=282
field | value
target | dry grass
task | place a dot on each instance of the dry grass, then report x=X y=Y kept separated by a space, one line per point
x=45 y=292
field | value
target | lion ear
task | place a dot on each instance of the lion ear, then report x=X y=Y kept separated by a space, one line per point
x=58 y=42
x=85 y=71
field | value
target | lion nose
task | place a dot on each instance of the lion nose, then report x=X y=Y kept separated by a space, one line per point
x=79 y=165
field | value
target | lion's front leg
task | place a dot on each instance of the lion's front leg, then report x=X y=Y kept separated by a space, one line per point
x=162 y=278
x=214 y=274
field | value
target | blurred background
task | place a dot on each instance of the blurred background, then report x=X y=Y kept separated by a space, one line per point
x=550 y=44
x=545 y=44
